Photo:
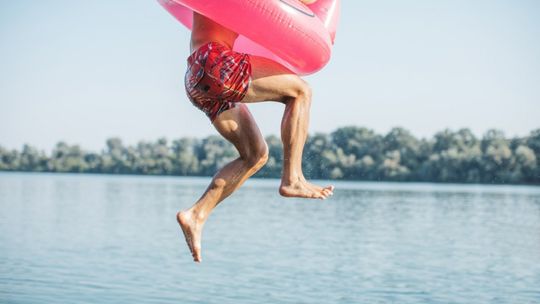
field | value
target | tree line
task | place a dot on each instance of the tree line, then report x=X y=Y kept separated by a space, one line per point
x=351 y=153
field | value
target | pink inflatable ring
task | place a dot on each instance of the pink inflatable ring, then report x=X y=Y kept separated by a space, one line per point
x=298 y=36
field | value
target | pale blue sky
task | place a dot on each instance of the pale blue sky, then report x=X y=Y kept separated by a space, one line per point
x=83 y=71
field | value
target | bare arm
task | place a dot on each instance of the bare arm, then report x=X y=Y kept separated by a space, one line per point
x=308 y=1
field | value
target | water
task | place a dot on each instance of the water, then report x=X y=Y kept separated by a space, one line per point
x=114 y=239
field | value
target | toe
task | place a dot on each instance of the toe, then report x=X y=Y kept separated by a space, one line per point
x=326 y=193
x=317 y=195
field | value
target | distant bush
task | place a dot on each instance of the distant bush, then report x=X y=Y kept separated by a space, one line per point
x=351 y=153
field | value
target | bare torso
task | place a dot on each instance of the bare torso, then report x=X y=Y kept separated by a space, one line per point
x=205 y=30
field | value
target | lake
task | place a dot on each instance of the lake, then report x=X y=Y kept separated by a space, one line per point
x=68 y=238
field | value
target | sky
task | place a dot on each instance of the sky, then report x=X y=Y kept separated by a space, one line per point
x=84 y=71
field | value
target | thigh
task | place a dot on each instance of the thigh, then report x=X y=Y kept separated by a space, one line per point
x=271 y=81
x=238 y=127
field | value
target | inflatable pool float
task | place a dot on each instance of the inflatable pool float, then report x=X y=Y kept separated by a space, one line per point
x=296 y=35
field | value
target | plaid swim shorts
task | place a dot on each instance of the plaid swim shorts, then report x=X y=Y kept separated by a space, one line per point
x=217 y=78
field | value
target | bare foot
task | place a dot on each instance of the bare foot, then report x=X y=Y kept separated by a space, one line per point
x=192 y=232
x=304 y=189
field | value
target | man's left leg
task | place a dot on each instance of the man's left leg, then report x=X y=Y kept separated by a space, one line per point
x=273 y=82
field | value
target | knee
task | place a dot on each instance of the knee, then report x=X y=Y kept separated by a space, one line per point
x=258 y=156
x=302 y=92
x=305 y=90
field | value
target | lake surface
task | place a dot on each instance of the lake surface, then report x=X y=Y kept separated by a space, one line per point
x=114 y=239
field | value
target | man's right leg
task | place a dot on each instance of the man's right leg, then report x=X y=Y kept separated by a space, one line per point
x=273 y=82
x=238 y=127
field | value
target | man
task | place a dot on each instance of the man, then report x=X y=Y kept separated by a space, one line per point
x=220 y=82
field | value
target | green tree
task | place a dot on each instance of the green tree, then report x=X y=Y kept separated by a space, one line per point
x=366 y=147
x=114 y=158
x=497 y=160
x=184 y=159
x=9 y=159
x=213 y=153
x=32 y=160
x=454 y=157
x=402 y=154
x=533 y=142
x=66 y=158
x=317 y=151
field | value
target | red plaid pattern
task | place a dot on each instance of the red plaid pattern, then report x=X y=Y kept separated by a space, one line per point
x=217 y=78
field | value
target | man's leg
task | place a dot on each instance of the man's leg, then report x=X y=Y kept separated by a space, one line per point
x=238 y=127
x=273 y=82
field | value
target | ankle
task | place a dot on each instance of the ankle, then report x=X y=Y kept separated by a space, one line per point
x=198 y=215
x=287 y=180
